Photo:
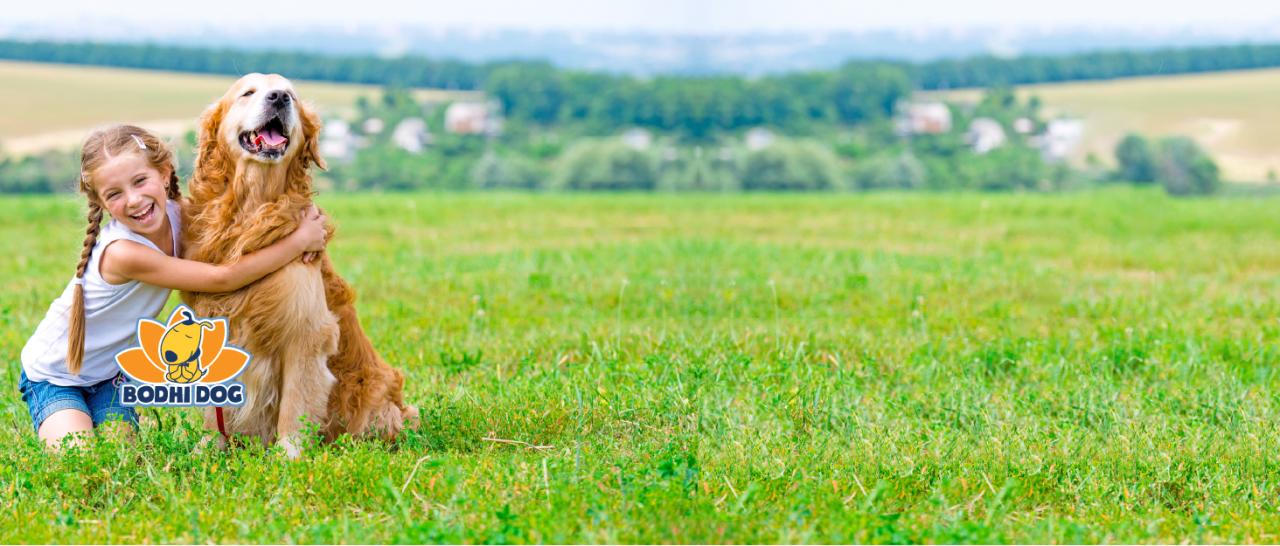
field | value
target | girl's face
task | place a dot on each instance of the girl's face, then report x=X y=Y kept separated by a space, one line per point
x=135 y=193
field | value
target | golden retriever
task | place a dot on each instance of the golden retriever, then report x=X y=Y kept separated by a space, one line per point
x=311 y=358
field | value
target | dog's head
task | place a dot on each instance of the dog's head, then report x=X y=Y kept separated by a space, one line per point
x=261 y=120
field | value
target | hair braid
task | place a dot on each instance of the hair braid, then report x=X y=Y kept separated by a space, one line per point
x=174 y=191
x=75 y=332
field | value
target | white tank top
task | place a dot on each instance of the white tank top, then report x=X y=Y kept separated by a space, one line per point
x=111 y=313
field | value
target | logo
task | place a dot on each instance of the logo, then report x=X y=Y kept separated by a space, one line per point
x=185 y=362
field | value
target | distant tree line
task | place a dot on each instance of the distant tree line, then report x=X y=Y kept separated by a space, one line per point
x=417 y=71
x=403 y=71
x=699 y=108
x=986 y=71
x=695 y=107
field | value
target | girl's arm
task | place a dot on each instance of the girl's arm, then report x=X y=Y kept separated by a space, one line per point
x=127 y=260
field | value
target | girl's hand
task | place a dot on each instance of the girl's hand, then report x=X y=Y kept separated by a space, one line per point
x=310 y=233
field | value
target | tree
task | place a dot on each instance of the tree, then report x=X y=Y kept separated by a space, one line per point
x=788 y=165
x=48 y=172
x=1184 y=168
x=493 y=171
x=699 y=170
x=387 y=168
x=862 y=91
x=1136 y=160
x=535 y=92
x=607 y=165
x=897 y=171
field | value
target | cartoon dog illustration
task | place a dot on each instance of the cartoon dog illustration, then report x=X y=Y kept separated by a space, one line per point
x=180 y=348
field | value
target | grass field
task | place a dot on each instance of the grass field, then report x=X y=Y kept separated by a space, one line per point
x=45 y=106
x=1085 y=367
x=1232 y=114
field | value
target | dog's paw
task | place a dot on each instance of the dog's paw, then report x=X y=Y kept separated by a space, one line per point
x=411 y=417
x=289 y=448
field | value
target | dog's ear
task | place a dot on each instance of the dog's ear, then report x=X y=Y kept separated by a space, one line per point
x=311 y=126
x=210 y=122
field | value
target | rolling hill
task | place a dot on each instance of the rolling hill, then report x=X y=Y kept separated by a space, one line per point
x=1233 y=114
x=47 y=106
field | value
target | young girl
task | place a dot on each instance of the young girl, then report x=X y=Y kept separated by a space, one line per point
x=69 y=375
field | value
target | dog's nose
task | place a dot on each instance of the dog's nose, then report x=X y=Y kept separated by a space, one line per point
x=278 y=98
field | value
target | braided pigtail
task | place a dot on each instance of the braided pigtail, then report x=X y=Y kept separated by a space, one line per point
x=175 y=191
x=75 y=331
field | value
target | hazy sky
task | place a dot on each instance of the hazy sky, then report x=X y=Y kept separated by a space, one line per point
x=665 y=15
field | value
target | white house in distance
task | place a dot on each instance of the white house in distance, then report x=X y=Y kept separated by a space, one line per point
x=373 y=126
x=473 y=118
x=637 y=138
x=1024 y=126
x=924 y=118
x=759 y=138
x=411 y=135
x=1061 y=137
x=337 y=143
x=984 y=135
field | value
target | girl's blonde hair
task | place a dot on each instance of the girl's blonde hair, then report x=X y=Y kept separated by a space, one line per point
x=99 y=148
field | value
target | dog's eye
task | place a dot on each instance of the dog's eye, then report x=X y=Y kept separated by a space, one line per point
x=248 y=93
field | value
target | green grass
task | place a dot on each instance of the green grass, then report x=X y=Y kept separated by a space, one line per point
x=1092 y=367
x=1232 y=114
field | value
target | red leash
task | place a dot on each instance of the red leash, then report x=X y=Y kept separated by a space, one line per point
x=221 y=427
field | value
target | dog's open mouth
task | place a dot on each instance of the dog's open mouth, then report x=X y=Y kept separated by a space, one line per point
x=268 y=141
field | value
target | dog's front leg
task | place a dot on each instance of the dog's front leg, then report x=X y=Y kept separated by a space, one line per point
x=305 y=384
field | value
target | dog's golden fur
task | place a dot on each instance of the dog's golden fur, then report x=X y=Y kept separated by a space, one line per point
x=311 y=358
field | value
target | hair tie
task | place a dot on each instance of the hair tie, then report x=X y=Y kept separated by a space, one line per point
x=139 y=141
x=77 y=280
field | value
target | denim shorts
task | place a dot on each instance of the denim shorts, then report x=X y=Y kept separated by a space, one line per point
x=100 y=401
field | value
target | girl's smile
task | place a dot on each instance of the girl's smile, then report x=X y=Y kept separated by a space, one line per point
x=146 y=215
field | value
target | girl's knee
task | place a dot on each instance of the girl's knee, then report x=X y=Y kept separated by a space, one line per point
x=65 y=427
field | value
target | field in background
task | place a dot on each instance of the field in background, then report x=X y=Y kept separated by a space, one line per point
x=50 y=106
x=1083 y=367
x=1235 y=115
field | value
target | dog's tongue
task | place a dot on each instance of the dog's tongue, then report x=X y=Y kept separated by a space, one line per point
x=272 y=138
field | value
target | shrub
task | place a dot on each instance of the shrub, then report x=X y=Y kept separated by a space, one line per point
x=386 y=167
x=43 y=173
x=788 y=165
x=1007 y=168
x=706 y=170
x=1184 y=168
x=607 y=165
x=493 y=171
x=897 y=171
x=1135 y=159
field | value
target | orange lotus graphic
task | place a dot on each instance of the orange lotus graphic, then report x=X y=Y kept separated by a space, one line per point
x=194 y=351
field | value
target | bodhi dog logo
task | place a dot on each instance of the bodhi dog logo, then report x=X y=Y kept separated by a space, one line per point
x=185 y=362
